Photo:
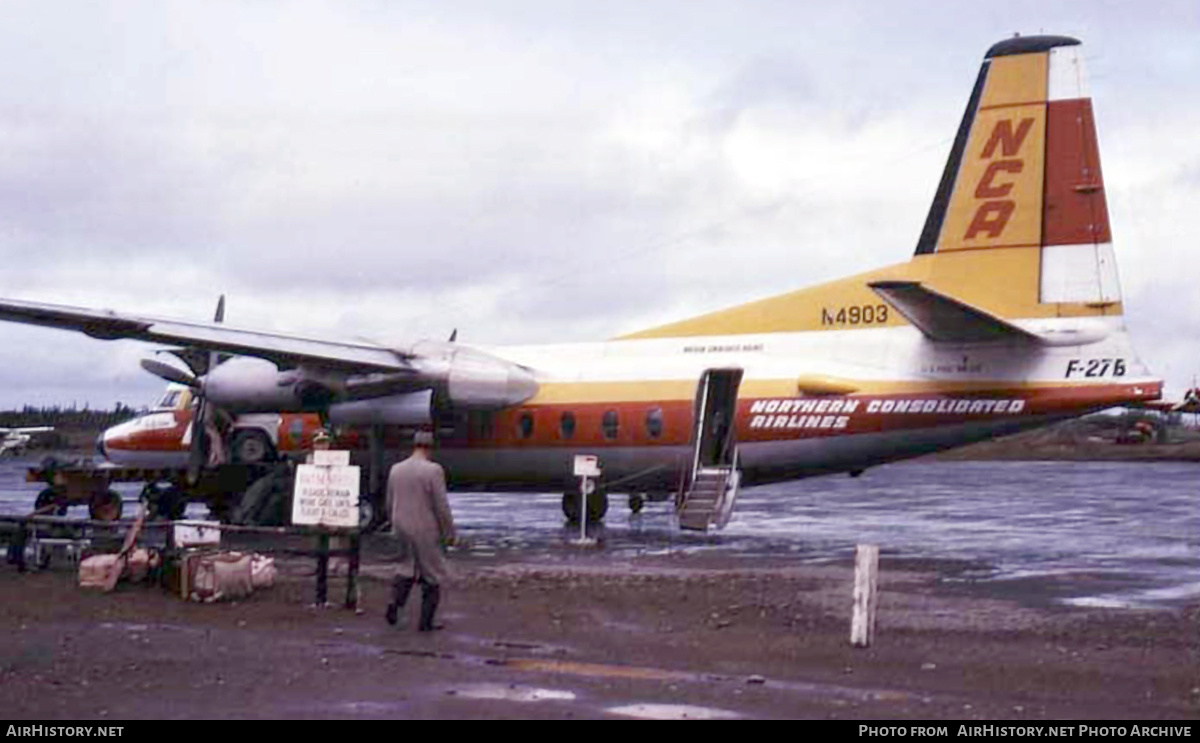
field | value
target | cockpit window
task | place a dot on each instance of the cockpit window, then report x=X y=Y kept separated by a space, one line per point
x=170 y=399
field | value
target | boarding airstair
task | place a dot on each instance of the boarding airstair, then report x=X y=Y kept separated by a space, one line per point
x=708 y=503
x=706 y=500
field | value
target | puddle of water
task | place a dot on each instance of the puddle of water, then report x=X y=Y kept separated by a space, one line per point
x=672 y=712
x=126 y=627
x=1023 y=520
x=1147 y=599
x=1101 y=602
x=372 y=708
x=597 y=670
x=513 y=693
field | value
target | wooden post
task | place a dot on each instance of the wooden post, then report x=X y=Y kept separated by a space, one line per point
x=352 y=574
x=866 y=595
x=17 y=549
x=322 y=570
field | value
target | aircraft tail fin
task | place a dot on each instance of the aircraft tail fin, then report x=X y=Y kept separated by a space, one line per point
x=1018 y=229
x=1024 y=175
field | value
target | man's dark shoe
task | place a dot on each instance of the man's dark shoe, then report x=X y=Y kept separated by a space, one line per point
x=431 y=595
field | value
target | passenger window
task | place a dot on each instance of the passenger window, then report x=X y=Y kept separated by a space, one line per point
x=654 y=422
x=525 y=425
x=610 y=424
x=566 y=425
x=296 y=430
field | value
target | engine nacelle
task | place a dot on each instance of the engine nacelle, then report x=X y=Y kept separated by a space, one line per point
x=479 y=381
x=461 y=377
x=470 y=379
x=410 y=409
x=244 y=384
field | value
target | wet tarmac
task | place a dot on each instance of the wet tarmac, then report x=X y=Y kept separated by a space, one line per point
x=1106 y=534
x=1006 y=593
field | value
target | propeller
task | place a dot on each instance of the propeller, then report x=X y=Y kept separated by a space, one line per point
x=200 y=448
x=200 y=363
x=170 y=373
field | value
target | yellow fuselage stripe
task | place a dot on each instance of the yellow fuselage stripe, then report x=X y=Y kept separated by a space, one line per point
x=673 y=390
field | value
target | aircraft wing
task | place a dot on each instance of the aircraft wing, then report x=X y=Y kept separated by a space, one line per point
x=280 y=348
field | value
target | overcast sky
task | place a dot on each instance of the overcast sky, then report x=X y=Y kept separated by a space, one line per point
x=529 y=171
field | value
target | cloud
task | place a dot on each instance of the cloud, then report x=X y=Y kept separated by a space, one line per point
x=525 y=172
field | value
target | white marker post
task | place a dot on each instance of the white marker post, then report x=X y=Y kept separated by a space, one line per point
x=586 y=466
x=866 y=595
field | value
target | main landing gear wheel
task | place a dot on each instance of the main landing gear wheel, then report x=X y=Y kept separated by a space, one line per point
x=268 y=500
x=252 y=447
x=597 y=506
x=106 y=506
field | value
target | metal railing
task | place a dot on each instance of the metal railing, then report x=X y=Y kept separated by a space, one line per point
x=27 y=528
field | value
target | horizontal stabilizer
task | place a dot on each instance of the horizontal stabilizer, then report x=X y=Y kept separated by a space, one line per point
x=944 y=319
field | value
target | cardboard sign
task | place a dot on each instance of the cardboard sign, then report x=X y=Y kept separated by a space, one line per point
x=331 y=457
x=326 y=496
x=587 y=465
x=197 y=533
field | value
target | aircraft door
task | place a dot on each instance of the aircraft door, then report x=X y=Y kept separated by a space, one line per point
x=716 y=410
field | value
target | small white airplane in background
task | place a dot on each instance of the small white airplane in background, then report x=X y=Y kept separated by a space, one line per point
x=14 y=441
x=1008 y=317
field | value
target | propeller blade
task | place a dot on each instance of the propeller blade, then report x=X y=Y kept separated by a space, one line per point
x=199 y=449
x=218 y=358
x=170 y=373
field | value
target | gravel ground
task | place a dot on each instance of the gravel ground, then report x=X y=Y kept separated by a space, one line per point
x=577 y=635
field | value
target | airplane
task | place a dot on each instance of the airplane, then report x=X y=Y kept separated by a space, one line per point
x=13 y=441
x=1189 y=404
x=161 y=436
x=1007 y=317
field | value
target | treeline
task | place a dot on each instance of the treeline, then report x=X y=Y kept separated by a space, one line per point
x=75 y=429
x=68 y=418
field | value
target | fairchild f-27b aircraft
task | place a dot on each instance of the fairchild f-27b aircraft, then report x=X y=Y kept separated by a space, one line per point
x=1009 y=316
x=13 y=441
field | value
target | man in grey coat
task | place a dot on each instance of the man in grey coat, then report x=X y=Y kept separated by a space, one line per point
x=421 y=520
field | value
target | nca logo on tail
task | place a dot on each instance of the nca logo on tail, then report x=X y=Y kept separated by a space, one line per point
x=992 y=216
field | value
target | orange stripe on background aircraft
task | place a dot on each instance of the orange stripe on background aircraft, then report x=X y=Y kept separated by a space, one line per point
x=1009 y=316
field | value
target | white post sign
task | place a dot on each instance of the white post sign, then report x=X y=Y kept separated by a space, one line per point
x=326 y=494
x=587 y=466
